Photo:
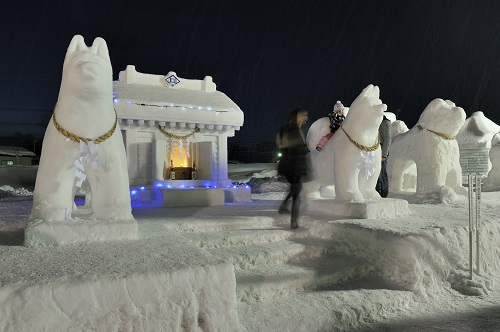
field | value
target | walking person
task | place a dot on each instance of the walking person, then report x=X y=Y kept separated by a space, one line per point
x=293 y=164
x=385 y=143
x=336 y=118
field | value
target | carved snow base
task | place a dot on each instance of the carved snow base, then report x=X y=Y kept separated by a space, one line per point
x=165 y=284
x=193 y=197
x=61 y=232
x=382 y=208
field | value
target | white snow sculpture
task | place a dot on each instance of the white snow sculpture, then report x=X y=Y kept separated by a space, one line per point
x=492 y=182
x=352 y=156
x=398 y=127
x=432 y=148
x=82 y=140
x=475 y=140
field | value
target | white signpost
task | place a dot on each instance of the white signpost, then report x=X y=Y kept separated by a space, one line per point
x=474 y=214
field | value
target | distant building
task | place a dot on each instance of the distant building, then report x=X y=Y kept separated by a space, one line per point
x=15 y=155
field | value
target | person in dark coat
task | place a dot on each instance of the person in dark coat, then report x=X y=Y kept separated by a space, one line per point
x=385 y=143
x=293 y=164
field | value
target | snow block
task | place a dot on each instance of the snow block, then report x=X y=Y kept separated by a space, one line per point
x=61 y=232
x=382 y=208
x=164 y=284
x=238 y=194
x=193 y=197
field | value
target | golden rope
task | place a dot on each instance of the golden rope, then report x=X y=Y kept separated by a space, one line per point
x=447 y=137
x=196 y=129
x=360 y=146
x=77 y=138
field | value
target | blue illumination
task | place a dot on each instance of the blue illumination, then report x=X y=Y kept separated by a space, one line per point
x=133 y=192
x=182 y=186
x=129 y=102
x=235 y=187
x=169 y=186
x=115 y=100
x=159 y=185
x=143 y=188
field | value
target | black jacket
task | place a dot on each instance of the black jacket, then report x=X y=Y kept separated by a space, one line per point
x=294 y=149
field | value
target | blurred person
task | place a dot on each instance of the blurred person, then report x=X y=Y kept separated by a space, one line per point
x=336 y=118
x=293 y=165
x=385 y=143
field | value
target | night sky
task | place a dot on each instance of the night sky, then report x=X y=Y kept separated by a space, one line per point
x=267 y=56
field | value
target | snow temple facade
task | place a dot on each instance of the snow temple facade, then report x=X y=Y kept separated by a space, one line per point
x=168 y=120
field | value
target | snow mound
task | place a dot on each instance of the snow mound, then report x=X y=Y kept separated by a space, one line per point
x=7 y=191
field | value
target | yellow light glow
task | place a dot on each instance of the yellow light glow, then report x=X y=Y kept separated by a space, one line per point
x=178 y=161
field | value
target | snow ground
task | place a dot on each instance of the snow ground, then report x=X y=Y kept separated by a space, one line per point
x=421 y=261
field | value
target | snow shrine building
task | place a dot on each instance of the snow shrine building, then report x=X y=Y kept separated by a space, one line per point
x=171 y=121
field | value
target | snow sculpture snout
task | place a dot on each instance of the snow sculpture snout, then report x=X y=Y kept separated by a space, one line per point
x=351 y=159
x=83 y=141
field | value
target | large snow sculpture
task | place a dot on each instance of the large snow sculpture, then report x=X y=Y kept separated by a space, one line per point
x=351 y=158
x=83 y=142
x=492 y=182
x=432 y=148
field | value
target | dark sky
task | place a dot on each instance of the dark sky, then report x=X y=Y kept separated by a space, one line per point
x=267 y=56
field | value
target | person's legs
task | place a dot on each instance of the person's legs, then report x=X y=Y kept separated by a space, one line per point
x=283 y=209
x=323 y=141
x=383 y=181
x=295 y=190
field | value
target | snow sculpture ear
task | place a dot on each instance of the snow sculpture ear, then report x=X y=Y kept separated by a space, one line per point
x=76 y=44
x=369 y=98
x=100 y=47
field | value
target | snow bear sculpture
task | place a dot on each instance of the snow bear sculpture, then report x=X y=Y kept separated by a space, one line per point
x=432 y=148
x=351 y=158
x=83 y=139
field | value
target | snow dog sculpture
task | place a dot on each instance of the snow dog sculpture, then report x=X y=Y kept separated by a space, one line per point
x=432 y=148
x=351 y=158
x=83 y=141
x=492 y=182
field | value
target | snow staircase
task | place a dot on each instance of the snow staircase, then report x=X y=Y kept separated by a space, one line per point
x=289 y=281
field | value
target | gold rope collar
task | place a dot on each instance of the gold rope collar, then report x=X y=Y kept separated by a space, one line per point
x=196 y=129
x=360 y=146
x=77 y=138
x=447 y=137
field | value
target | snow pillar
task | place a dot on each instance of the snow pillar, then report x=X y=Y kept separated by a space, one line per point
x=131 y=150
x=221 y=158
x=159 y=151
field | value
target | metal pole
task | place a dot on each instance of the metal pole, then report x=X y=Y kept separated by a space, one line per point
x=470 y=188
x=478 y=210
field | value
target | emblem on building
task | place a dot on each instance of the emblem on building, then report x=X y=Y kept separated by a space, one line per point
x=172 y=80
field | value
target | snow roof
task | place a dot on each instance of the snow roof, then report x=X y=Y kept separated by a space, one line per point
x=170 y=98
x=15 y=151
x=477 y=130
